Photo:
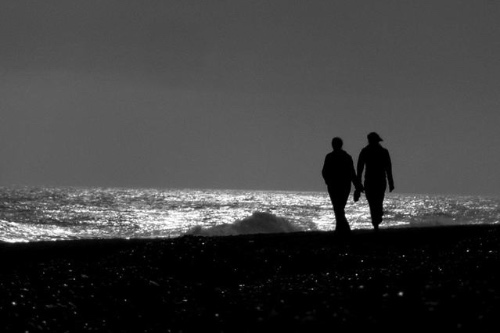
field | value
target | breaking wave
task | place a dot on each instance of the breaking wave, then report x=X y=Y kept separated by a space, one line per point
x=257 y=223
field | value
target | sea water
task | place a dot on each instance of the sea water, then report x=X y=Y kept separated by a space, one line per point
x=65 y=213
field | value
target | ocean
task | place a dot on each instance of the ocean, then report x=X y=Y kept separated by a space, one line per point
x=67 y=213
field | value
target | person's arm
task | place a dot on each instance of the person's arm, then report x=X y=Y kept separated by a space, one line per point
x=354 y=178
x=389 y=172
x=324 y=171
x=361 y=166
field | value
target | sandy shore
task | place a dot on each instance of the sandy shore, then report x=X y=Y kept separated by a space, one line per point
x=440 y=278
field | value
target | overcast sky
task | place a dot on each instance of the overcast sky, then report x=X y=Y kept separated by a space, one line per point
x=248 y=94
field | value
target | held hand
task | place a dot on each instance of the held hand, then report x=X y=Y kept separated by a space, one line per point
x=357 y=194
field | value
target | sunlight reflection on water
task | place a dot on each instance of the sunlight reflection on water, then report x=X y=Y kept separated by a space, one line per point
x=29 y=214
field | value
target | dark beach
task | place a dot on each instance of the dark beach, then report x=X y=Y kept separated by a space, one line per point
x=439 y=278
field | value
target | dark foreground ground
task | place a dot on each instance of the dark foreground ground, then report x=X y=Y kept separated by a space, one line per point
x=433 y=279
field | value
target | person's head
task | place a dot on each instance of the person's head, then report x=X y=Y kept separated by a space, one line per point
x=374 y=138
x=337 y=143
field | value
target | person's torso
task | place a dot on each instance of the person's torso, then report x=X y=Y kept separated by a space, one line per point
x=339 y=167
x=376 y=162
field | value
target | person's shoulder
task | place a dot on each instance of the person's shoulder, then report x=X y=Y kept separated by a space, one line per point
x=365 y=149
x=345 y=156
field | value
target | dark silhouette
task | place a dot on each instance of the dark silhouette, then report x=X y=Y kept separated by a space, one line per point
x=376 y=161
x=338 y=173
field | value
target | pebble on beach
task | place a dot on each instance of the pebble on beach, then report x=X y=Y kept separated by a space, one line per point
x=441 y=277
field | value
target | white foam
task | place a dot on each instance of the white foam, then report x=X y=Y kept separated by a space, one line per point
x=257 y=223
x=437 y=220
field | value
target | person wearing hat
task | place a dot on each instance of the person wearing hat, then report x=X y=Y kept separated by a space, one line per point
x=338 y=173
x=376 y=162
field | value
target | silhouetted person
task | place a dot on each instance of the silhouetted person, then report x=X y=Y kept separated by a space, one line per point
x=338 y=173
x=376 y=161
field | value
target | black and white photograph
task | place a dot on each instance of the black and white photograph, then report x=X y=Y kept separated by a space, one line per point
x=249 y=165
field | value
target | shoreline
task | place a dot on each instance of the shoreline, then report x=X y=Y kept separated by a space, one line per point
x=430 y=277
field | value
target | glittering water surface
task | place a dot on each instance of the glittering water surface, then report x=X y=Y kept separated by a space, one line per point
x=31 y=214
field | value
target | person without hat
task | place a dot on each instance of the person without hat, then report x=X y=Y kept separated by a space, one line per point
x=375 y=161
x=338 y=172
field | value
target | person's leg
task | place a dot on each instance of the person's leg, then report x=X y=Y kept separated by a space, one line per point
x=371 y=203
x=339 y=201
x=377 y=208
x=341 y=221
x=375 y=196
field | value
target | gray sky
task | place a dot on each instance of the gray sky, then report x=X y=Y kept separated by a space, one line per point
x=248 y=94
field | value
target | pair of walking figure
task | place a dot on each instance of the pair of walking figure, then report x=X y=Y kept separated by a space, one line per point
x=338 y=173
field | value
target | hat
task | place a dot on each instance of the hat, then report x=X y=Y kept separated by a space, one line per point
x=374 y=137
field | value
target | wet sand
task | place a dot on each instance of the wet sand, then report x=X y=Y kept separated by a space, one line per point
x=439 y=278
